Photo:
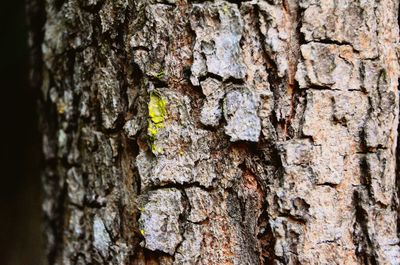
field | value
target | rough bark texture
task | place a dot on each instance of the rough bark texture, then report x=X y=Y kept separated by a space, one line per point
x=219 y=132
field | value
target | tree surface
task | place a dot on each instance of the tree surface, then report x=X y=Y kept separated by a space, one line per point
x=218 y=132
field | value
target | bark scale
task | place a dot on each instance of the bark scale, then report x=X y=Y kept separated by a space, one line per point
x=219 y=132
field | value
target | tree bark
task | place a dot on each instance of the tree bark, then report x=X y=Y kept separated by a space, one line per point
x=219 y=132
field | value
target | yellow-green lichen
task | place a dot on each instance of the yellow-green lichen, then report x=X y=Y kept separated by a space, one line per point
x=159 y=75
x=157 y=113
x=142 y=232
x=226 y=9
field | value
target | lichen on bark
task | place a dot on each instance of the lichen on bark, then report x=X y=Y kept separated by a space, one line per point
x=157 y=113
x=219 y=132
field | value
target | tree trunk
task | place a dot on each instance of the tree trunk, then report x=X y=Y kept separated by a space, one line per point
x=219 y=132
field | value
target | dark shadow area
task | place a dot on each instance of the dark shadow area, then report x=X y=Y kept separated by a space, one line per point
x=20 y=232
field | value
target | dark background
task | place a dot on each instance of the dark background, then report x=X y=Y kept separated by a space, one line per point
x=21 y=241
